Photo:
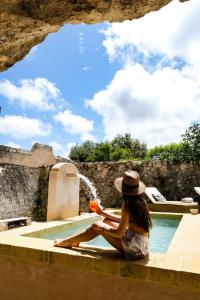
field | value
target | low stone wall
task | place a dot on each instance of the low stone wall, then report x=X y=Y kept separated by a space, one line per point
x=173 y=180
x=48 y=274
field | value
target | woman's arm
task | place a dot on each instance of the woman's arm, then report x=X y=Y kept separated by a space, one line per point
x=119 y=231
x=107 y=215
x=111 y=217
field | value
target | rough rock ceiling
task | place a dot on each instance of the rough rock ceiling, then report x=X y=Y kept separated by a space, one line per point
x=26 y=23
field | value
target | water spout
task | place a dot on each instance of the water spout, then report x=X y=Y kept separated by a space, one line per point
x=72 y=174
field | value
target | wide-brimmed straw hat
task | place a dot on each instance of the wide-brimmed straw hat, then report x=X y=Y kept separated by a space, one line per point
x=130 y=184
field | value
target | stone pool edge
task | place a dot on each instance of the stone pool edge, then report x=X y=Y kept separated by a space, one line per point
x=173 y=268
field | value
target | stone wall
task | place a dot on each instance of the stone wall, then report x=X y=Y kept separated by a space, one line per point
x=39 y=155
x=18 y=190
x=24 y=190
x=173 y=180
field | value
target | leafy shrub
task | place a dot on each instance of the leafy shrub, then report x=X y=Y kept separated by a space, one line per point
x=120 y=148
x=176 y=151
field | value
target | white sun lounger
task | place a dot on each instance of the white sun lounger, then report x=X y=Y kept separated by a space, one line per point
x=159 y=203
x=197 y=190
x=157 y=198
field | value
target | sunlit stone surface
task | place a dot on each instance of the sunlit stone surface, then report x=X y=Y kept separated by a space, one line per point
x=26 y=23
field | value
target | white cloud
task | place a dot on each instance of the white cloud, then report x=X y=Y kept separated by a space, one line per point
x=75 y=124
x=155 y=97
x=13 y=145
x=21 y=127
x=172 y=31
x=154 y=107
x=86 y=68
x=39 y=93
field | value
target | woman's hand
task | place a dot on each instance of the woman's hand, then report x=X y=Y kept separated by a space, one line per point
x=99 y=210
x=96 y=207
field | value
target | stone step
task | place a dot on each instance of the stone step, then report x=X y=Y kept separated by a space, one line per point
x=4 y=224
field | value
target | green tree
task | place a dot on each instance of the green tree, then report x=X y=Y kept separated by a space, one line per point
x=103 y=151
x=120 y=154
x=135 y=147
x=192 y=137
x=139 y=150
x=89 y=148
x=77 y=153
x=122 y=141
x=84 y=152
x=120 y=148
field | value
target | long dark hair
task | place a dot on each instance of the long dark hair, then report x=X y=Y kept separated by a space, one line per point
x=139 y=212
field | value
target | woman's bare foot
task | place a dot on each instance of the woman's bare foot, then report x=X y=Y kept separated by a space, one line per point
x=65 y=244
x=75 y=244
x=62 y=244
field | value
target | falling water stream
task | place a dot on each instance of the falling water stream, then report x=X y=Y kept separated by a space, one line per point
x=90 y=185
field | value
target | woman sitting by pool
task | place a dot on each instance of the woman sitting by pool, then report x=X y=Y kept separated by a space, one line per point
x=128 y=233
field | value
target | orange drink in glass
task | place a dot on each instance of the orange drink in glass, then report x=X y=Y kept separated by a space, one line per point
x=93 y=205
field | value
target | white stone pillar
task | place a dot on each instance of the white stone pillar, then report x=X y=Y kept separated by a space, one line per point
x=63 y=192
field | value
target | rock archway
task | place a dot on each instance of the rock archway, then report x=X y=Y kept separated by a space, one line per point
x=26 y=23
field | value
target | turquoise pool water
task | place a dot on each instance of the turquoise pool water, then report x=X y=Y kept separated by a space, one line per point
x=163 y=230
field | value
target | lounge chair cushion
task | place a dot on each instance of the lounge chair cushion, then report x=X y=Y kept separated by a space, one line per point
x=187 y=200
x=154 y=195
x=157 y=196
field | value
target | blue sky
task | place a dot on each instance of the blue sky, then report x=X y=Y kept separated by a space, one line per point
x=74 y=60
x=95 y=81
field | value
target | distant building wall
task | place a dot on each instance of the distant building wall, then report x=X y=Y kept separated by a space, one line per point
x=39 y=155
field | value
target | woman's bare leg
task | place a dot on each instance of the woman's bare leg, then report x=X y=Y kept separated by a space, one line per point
x=114 y=241
x=74 y=240
x=90 y=234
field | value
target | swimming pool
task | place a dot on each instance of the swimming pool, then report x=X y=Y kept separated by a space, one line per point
x=162 y=232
